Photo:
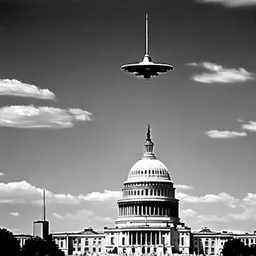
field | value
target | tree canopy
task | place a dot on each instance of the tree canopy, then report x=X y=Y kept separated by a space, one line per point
x=9 y=244
x=40 y=247
x=236 y=247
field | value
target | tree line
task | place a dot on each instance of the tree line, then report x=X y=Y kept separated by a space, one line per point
x=236 y=247
x=34 y=246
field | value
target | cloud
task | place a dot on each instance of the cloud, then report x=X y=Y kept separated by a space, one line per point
x=84 y=214
x=209 y=198
x=106 y=195
x=212 y=218
x=185 y=187
x=215 y=134
x=230 y=3
x=15 y=214
x=188 y=213
x=1 y=174
x=41 y=117
x=16 y=88
x=79 y=215
x=221 y=75
x=248 y=213
x=57 y=216
x=251 y=126
x=250 y=199
x=23 y=192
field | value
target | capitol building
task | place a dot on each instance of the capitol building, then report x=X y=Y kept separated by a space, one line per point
x=148 y=215
x=148 y=212
x=148 y=221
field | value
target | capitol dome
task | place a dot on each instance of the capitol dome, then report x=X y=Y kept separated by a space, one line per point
x=148 y=169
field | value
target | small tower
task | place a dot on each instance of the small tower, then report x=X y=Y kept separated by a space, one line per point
x=149 y=146
x=41 y=227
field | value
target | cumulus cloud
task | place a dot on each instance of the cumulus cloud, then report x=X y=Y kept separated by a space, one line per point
x=185 y=187
x=209 y=198
x=79 y=215
x=57 y=216
x=15 y=214
x=215 y=134
x=251 y=126
x=188 y=213
x=248 y=213
x=212 y=218
x=41 y=117
x=84 y=214
x=230 y=3
x=218 y=74
x=25 y=193
x=14 y=87
x=1 y=174
x=106 y=195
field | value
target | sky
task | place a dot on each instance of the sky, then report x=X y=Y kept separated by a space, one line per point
x=72 y=122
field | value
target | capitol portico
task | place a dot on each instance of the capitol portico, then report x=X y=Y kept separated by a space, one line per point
x=148 y=212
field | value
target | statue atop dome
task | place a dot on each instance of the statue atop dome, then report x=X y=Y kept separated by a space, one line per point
x=149 y=145
x=148 y=134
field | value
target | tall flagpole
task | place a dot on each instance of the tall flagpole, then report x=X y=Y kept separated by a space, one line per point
x=44 y=206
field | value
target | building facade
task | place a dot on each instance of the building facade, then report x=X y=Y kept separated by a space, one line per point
x=208 y=242
x=87 y=241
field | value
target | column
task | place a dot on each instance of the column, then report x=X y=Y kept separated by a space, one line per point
x=131 y=238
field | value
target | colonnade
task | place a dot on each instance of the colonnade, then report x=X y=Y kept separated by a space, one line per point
x=146 y=210
x=163 y=192
x=143 y=238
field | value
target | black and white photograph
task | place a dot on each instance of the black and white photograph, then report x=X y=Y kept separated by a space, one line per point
x=127 y=128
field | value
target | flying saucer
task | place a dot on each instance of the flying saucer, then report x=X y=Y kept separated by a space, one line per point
x=147 y=68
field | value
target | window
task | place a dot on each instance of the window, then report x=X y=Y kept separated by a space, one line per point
x=182 y=241
x=112 y=241
x=61 y=243
x=99 y=249
x=79 y=248
x=94 y=249
x=86 y=242
x=212 y=243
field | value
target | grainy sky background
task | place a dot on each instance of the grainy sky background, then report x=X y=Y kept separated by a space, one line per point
x=202 y=114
